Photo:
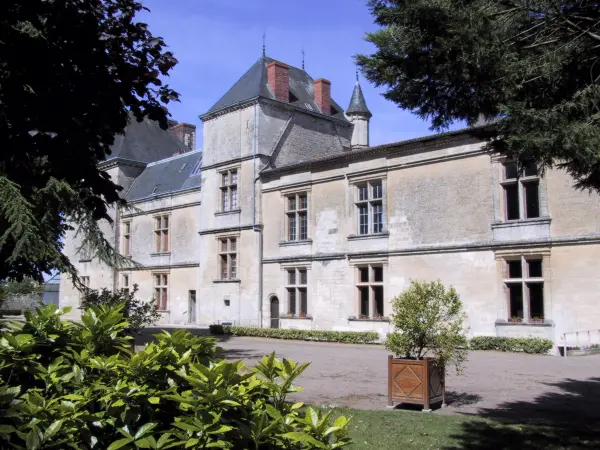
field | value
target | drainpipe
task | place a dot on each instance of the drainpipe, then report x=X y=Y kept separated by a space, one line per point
x=255 y=226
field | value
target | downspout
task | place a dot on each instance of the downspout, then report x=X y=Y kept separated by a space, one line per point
x=255 y=226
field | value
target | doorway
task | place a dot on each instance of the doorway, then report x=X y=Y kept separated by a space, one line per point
x=192 y=307
x=274 y=312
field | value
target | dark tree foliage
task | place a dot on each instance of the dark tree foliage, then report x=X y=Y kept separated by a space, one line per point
x=531 y=64
x=71 y=74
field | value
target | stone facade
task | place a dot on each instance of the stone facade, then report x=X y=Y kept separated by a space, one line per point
x=290 y=230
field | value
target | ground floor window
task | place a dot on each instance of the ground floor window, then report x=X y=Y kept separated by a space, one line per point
x=161 y=289
x=297 y=296
x=369 y=284
x=524 y=285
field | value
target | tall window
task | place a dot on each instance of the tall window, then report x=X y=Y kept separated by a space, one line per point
x=525 y=289
x=228 y=258
x=229 y=191
x=161 y=233
x=85 y=281
x=125 y=283
x=161 y=290
x=127 y=238
x=296 y=281
x=521 y=191
x=369 y=284
x=369 y=207
x=85 y=252
x=297 y=217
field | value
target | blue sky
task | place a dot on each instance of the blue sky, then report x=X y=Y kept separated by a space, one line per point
x=216 y=41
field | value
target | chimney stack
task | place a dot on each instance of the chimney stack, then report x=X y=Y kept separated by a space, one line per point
x=323 y=95
x=186 y=133
x=278 y=77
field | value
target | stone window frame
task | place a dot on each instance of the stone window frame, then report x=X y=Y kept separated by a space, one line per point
x=231 y=257
x=160 y=287
x=357 y=266
x=297 y=213
x=161 y=233
x=502 y=259
x=228 y=190
x=369 y=180
x=499 y=163
x=126 y=237
x=295 y=285
x=126 y=282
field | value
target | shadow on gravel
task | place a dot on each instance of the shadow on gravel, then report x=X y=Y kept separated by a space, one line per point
x=147 y=334
x=569 y=419
x=457 y=399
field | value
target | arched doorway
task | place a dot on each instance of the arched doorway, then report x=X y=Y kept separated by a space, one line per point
x=274 y=312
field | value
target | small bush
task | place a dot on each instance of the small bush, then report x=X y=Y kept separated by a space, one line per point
x=347 y=337
x=509 y=344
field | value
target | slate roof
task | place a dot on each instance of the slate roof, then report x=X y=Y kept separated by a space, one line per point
x=145 y=142
x=358 y=105
x=254 y=84
x=170 y=175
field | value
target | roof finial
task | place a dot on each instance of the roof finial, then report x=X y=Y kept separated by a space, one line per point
x=264 y=39
x=303 y=59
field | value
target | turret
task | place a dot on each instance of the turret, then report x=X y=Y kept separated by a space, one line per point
x=359 y=115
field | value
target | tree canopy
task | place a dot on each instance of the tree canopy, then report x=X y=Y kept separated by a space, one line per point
x=72 y=72
x=532 y=65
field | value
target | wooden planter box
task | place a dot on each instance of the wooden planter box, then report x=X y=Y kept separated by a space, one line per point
x=415 y=381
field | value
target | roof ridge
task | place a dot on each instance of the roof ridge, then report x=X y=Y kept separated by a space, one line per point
x=171 y=158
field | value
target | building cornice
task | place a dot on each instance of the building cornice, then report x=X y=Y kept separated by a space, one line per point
x=227 y=229
x=114 y=162
x=165 y=195
x=162 y=267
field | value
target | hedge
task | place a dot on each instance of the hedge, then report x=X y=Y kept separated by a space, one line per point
x=348 y=337
x=510 y=344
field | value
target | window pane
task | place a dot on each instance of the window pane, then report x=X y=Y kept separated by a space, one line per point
x=233 y=245
x=532 y=200
x=223 y=245
x=223 y=267
x=292 y=301
x=303 y=201
x=157 y=223
x=363 y=193
x=535 y=268
x=156 y=280
x=303 y=226
x=292 y=203
x=224 y=179
x=377 y=190
x=536 y=300
x=363 y=293
x=363 y=219
x=511 y=192
x=515 y=295
x=377 y=218
x=530 y=169
x=378 y=274
x=225 y=200
x=234 y=177
x=514 y=269
x=234 y=198
x=292 y=227
x=165 y=222
x=125 y=280
x=165 y=247
x=378 y=298
x=303 y=277
x=292 y=276
x=303 y=301
x=510 y=171
x=233 y=271
x=363 y=274
x=164 y=279
x=127 y=247
x=127 y=228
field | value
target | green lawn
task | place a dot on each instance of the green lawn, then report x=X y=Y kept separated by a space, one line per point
x=388 y=430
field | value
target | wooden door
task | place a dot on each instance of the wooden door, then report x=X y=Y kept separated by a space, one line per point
x=274 y=312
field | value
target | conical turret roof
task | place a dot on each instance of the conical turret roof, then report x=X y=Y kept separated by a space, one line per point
x=358 y=105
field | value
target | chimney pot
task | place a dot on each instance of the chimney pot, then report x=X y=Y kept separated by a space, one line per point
x=278 y=77
x=323 y=95
x=186 y=133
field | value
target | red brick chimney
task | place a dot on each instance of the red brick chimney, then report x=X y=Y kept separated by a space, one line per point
x=186 y=133
x=323 y=95
x=278 y=76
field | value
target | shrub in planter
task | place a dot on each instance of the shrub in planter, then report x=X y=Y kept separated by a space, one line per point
x=428 y=321
x=77 y=385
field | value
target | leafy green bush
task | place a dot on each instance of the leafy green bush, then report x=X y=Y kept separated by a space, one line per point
x=348 y=337
x=511 y=344
x=137 y=312
x=428 y=318
x=77 y=385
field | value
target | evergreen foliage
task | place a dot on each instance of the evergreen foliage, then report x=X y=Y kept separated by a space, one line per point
x=530 y=64
x=72 y=74
x=76 y=385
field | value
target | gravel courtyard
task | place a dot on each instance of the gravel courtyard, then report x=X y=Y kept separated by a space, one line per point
x=494 y=384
